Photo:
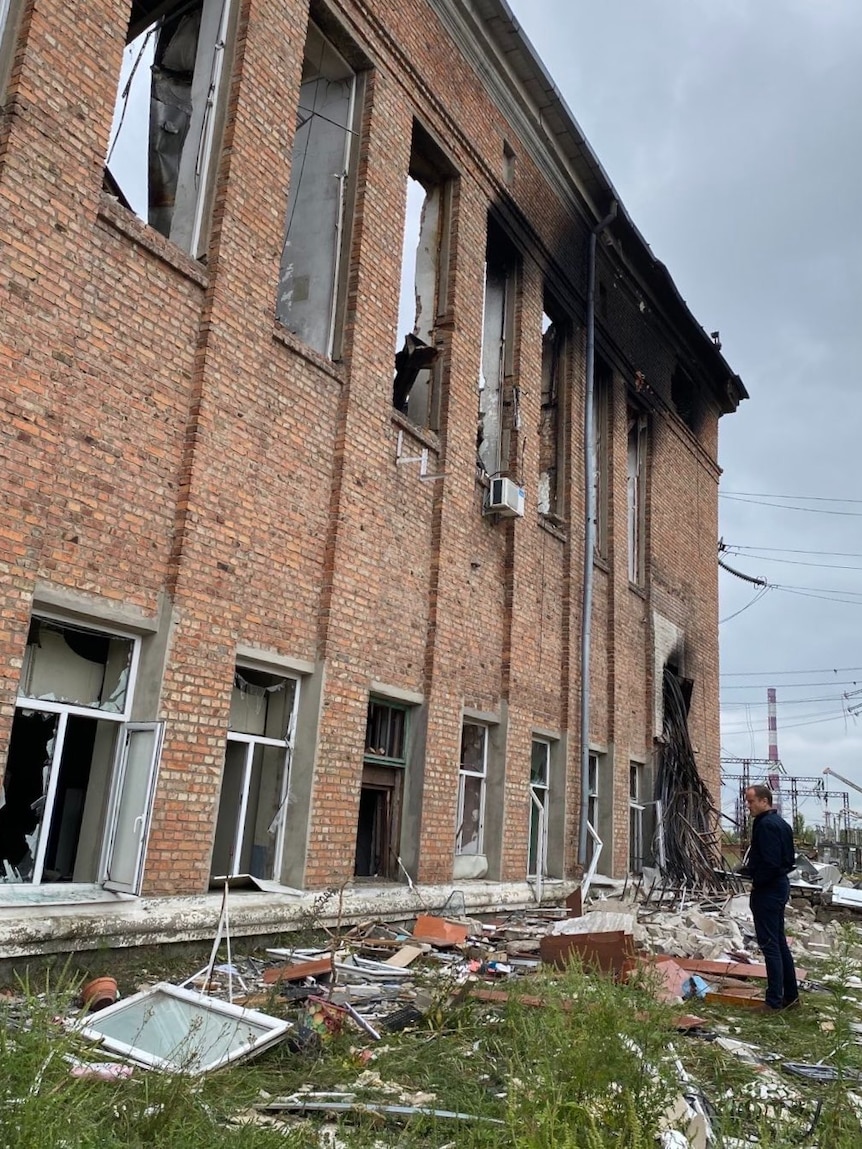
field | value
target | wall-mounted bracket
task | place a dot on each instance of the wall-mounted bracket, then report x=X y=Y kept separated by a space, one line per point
x=421 y=459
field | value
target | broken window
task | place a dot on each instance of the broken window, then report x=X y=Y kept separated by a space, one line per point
x=540 y=773
x=378 y=829
x=472 y=778
x=175 y=1029
x=636 y=818
x=249 y=836
x=424 y=278
x=310 y=285
x=499 y=414
x=552 y=419
x=636 y=494
x=78 y=783
x=602 y=390
x=165 y=116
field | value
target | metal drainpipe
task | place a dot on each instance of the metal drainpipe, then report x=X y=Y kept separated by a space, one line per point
x=589 y=533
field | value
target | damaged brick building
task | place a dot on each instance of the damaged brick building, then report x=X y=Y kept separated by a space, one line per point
x=295 y=513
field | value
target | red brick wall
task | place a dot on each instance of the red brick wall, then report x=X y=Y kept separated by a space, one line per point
x=161 y=436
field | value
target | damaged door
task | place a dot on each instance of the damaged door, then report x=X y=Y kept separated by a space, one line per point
x=131 y=805
x=378 y=827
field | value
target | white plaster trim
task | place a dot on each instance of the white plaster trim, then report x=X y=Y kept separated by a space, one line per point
x=397 y=693
x=548 y=735
x=486 y=716
x=78 y=606
x=255 y=658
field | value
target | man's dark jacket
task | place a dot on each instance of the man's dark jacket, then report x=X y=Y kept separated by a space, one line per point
x=772 y=853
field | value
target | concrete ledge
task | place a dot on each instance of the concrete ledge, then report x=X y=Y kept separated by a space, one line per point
x=32 y=930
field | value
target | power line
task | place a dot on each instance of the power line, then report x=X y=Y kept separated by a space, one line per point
x=792 y=562
x=804 y=498
x=791 y=685
x=782 y=702
x=795 y=551
x=774 y=673
x=786 y=725
x=789 y=506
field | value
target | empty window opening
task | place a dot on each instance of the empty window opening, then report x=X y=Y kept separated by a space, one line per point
x=424 y=278
x=686 y=400
x=508 y=164
x=602 y=390
x=472 y=779
x=636 y=817
x=499 y=414
x=165 y=115
x=636 y=494
x=378 y=828
x=551 y=419
x=250 y=828
x=313 y=258
x=77 y=788
x=540 y=773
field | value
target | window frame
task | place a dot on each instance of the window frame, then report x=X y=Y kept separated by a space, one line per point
x=384 y=759
x=251 y=742
x=636 y=466
x=463 y=774
x=339 y=266
x=539 y=804
x=637 y=849
x=198 y=160
x=557 y=392
x=497 y=371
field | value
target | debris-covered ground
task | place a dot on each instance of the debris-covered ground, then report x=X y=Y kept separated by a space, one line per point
x=630 y=1025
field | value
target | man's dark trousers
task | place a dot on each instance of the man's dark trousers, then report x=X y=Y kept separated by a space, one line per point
x=767 y=909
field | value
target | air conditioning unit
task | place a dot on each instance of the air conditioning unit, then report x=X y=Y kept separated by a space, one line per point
x=505 y=498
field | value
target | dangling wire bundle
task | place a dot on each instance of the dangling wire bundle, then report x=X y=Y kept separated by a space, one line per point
x=688 y=828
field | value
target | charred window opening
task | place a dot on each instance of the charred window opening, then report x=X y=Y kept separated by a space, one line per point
x=250 y=828
x=317 y=233
x=636 y=494
x=687 y=835
x=552 y=421
x=602 y=396
x=166 y=115
x=499 y=399
x=540 y=780
x=424 y=282
x=687 y=400
x=378 y=828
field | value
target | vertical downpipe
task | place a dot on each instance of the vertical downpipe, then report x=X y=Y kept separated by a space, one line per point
x=589 y=532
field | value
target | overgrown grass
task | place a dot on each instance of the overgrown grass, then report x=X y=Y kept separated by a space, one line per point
x=587 y=1069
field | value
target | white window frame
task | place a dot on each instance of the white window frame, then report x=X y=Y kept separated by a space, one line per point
x=593 y=797
x=65 y=710
x=636 y=814
x=539 y=802
x=463 y=775
x=140 y=824
x=251 y=742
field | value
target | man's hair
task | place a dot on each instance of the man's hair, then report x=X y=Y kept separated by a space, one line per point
x=761 y=791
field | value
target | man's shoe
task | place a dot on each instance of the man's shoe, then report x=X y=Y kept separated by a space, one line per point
x=766 y=1008
x=793 y=1003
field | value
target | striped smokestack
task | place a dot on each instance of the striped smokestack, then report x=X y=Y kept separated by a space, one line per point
x=772 y=721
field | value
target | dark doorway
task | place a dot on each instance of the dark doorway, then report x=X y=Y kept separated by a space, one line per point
x=378 y=826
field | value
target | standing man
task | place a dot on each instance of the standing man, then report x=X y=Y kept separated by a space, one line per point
x=770 y=859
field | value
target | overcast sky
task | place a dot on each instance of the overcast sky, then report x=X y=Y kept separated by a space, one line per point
x=731 y=131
